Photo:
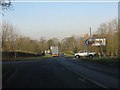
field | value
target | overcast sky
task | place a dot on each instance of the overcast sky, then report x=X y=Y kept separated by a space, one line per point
x=59 y=19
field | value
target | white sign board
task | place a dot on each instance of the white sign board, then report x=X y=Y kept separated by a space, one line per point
x=95 y=42
x=99 y=42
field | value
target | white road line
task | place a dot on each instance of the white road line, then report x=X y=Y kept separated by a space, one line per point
x=12 y=75
x=99 y=84
x=96 y=77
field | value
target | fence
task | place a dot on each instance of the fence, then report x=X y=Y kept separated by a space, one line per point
x=19 y=54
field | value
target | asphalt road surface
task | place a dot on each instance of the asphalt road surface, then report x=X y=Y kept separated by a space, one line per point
x=60 y=72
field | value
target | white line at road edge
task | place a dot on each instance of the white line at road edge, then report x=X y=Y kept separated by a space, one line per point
x=84 y=76
x=97 y=83
x=12 y=75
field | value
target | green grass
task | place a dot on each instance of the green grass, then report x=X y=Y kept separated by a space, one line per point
x=47 y=56
x=20 y=59
x=69 y=54
x=115 y=62
x=26 y=58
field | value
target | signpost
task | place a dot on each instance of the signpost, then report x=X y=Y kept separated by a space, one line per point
x=95 y=42
x=98 y=42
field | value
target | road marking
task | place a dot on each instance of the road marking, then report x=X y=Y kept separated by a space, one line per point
x=82 y=79
x=73 y=58
x=97 y=83
x=67 y=66
x=12 y=75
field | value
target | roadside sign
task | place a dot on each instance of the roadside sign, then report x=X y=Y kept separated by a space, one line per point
x=99 y=42
x=86 y=42
x=95 y=42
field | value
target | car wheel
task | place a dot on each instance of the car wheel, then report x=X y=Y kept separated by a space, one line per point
x=77 y=56
x=90 y=56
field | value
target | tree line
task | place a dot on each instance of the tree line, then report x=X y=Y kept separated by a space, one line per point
x=12 y=41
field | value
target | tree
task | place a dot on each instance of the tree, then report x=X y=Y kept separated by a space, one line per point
x=42 y=44
x=119 y=37
x=50 y=43
x=9 y=37
x=110 y=32
x=26 y=44
x=69 y=44
x=5 y=5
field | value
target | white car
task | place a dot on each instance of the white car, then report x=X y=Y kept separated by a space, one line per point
x=85 y=54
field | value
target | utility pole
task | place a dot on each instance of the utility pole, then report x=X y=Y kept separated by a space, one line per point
x=90 y=32
x=88 y=40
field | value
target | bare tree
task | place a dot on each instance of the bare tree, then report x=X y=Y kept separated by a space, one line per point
x=110 y=32
x=9 y=37
x=5 y=5
x=69 y=44
x=119 y=38
x=42 y=44
x=0 y=43
x=26 y=44
x=50 y=43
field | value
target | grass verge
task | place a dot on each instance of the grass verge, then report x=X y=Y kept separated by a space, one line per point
x=114 y=62
x=21 y=59
x=69 y=55
x=47 y=56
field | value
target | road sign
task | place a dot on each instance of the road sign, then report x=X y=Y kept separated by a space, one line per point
x=95 y=42
x=86 y=42
x=99 y=42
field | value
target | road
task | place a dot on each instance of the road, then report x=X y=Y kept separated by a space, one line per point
x=60 y=72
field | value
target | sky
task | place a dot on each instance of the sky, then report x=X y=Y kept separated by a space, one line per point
x=59 y=19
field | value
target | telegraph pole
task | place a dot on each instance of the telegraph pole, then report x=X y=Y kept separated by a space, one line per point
x=90 y=32
x=88 y=40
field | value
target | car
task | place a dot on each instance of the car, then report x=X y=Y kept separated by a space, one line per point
x=85 y=54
